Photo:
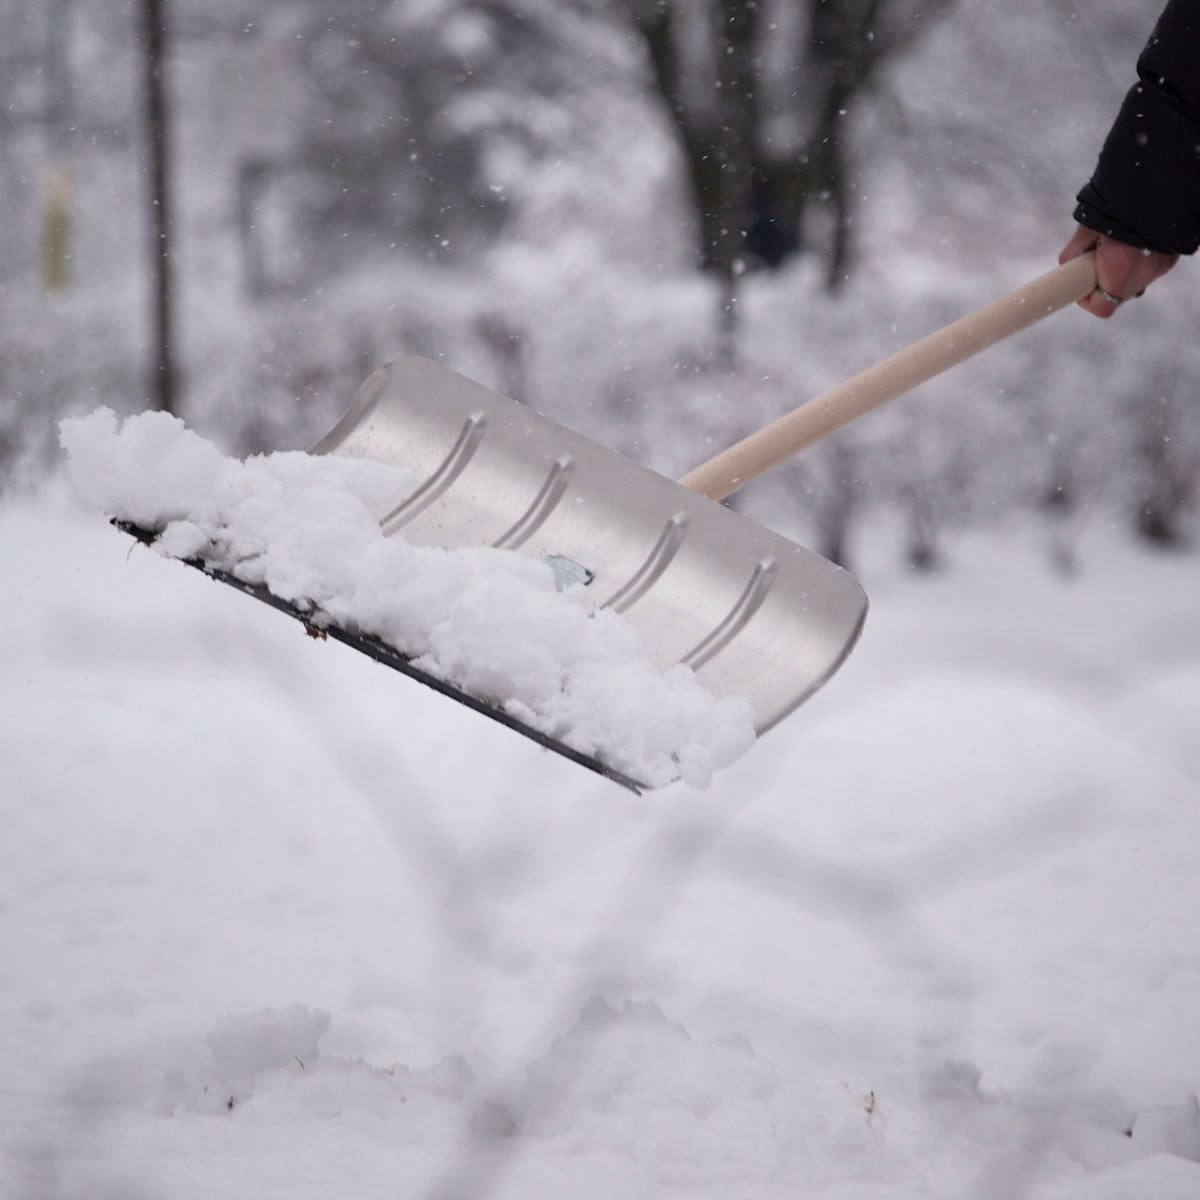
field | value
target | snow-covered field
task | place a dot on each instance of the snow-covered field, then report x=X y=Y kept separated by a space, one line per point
x=275 y=921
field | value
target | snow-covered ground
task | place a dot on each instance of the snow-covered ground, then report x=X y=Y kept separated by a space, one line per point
x=277 y=921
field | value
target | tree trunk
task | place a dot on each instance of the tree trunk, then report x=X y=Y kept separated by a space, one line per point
x=1166 y=467
x=839 y=498
x=60 y=120
x=736 y=137
x=922 y=553
x=718 y=138
x=157 y=128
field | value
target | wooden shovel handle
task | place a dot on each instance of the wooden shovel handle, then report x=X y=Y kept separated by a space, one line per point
x=900 y=373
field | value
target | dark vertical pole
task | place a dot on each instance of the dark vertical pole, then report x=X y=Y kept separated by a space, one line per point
x=154 y=34
x=56 y=204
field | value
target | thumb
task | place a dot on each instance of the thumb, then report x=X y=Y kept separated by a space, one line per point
x=1084 y=239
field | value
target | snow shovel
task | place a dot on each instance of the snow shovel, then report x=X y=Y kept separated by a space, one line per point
x=754 y=614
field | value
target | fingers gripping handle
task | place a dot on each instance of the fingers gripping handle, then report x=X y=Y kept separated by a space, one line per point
x=900 y=373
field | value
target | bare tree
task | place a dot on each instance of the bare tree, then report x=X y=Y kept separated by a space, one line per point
x=764 y=132
x=717 y=128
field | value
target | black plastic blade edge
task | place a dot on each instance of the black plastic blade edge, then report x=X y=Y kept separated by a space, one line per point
x=318 y=625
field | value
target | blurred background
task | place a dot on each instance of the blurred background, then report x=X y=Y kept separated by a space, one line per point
x=662 y=223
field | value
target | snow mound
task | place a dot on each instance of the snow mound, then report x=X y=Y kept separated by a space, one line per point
x=491 y=622
x=1169 y=1129
x=627 y=1101
x=637 y=1083
x=271 y=1059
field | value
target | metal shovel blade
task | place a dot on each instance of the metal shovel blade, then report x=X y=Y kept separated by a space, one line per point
x=754 y=614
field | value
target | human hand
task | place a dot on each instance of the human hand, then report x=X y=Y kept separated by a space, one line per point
x=1122 y=271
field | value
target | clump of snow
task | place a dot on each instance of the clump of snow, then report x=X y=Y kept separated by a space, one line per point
x=244 y=1045
x=491 y=622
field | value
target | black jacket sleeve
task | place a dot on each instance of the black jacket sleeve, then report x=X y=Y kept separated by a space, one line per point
x=1146 y=187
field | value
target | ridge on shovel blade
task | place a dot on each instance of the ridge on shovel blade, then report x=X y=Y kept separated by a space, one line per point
x=755 y=615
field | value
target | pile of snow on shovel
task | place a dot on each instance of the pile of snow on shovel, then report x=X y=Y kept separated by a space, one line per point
x=490 y=622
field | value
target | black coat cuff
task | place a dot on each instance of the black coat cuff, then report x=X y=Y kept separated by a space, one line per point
x=1146 y=187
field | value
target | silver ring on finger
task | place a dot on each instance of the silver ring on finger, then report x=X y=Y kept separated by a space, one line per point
x=1107 y=295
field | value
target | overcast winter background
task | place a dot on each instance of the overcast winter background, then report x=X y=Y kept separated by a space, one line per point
x=272 y=922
